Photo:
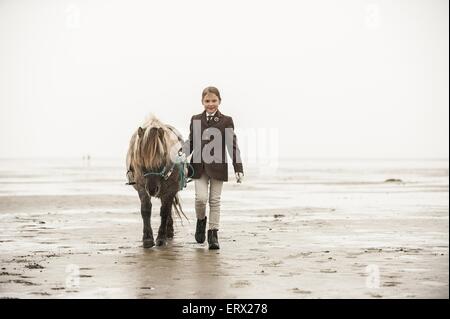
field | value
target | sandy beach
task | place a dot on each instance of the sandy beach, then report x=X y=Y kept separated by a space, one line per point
x=309 y=229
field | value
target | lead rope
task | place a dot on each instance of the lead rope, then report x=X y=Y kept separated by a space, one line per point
x=183 y=179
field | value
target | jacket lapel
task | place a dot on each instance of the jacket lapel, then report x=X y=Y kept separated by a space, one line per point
x=205 y=123
x=213 y=122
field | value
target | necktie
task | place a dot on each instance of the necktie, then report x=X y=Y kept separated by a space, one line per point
x=209 y=117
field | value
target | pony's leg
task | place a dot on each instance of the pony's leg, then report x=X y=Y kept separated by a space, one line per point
x=170 y=227
x=166 y=211
x=146 y=213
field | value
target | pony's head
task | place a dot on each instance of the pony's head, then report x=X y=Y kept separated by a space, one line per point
x=152 y=156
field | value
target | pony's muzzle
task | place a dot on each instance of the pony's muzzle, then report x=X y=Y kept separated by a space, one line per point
x=153 y=191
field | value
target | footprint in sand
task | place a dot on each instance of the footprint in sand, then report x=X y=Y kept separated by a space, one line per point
x=40 y=293
x=390 y=284
x=299 y=255
x=148 y=288
x=272 y=264
x=5 y=273
x=240 y=284
x=34 y=266
x=19 y=281
x=328 y=271
x=300 y=291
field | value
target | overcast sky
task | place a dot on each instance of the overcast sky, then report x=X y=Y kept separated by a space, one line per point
x=352 y=79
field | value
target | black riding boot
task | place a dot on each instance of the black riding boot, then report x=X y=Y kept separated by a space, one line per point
x=200 y=230
x=213 y=240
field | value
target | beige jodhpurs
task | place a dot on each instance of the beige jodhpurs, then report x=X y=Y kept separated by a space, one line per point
x=201 y=198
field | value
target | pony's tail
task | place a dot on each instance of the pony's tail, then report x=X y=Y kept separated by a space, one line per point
x=177 y=207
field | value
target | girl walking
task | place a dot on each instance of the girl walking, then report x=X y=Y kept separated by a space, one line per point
x=211 y=132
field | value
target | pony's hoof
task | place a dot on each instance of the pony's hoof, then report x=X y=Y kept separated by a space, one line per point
x=148 y=243
x=169 y=236
x=161 y=242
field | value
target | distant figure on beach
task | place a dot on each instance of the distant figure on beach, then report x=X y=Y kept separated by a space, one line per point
x=210 y=132
x=87 y=160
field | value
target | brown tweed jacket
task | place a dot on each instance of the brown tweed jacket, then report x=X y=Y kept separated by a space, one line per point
x=207 y=143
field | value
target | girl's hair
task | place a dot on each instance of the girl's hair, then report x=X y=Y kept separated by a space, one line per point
x=213 y=90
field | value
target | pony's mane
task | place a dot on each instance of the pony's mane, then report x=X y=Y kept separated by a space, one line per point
x=152 y=150
x=152 y=121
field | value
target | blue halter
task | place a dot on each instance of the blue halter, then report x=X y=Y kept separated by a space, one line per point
x=182 y=178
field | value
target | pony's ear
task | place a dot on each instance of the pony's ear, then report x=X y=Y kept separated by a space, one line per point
x=141 y=132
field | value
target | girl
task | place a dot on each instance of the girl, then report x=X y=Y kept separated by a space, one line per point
x=210 y=133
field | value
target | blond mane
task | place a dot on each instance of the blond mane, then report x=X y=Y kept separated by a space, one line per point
x=154 y=149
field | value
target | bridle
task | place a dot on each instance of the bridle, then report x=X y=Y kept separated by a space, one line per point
x=182 y=178
x=163 y=174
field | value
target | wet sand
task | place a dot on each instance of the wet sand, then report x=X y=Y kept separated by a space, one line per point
x=341 y=240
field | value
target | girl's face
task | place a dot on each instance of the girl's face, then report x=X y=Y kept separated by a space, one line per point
x=211 y=102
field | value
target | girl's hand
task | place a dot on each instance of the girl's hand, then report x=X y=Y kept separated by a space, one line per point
x=239 y=177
